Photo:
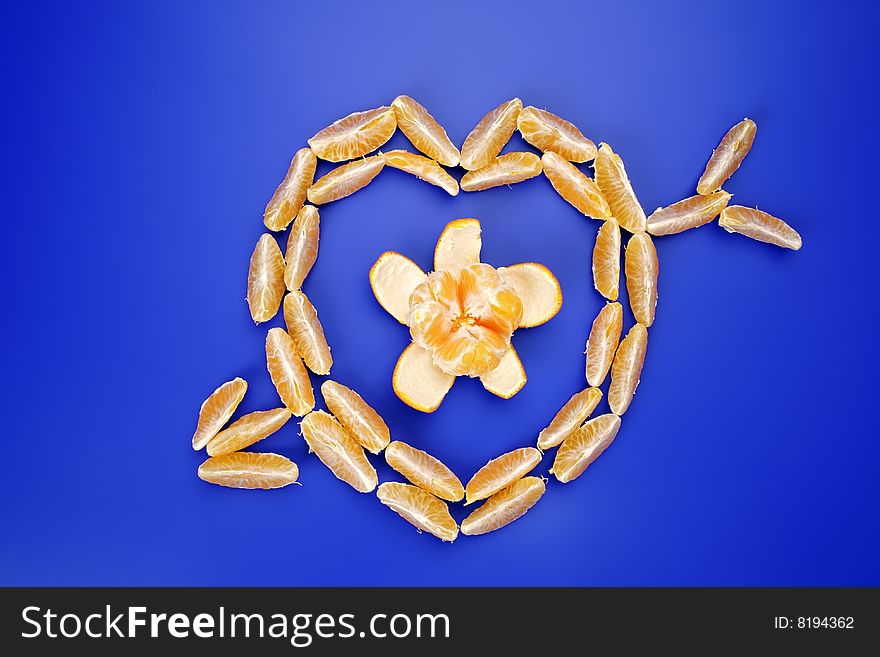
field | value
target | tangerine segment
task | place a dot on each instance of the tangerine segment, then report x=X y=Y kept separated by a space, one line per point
x=418 y=382
x=642 y=269
x=424 y=132
x=459 y=245
x=627 y=369
x=602 y=343
x=569 y=418
x=265 y=279
x=360 y=419
x=690 y=213
x=307 y=333
x=759 y=226
x=249 y=470
x=355 y=135
x=217 y=409
x=465 y=319
x=471 y=351
x=734 y=146
x=419 y=508
x=434 y=309
x=288 y=373
x=573 y=186
x=288 y=199
x=345 y=180
x=505 y=170
x=393 y=277
x=584 y=446
x=500 y=472
x=616 y=188
x=508 y=378
x=487 y=300
x=538 y=289
x=550 y=133
x=247 y=430
x=424 y=471
x=423 y=169
x=504 y=507
x=606 y=260
x=302 y=247
x=490 y=135
x=338 y=451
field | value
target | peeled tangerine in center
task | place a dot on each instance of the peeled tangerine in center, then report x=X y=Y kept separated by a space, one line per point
x=461 y=316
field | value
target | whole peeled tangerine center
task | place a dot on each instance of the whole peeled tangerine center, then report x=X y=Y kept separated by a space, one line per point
x=465 y=318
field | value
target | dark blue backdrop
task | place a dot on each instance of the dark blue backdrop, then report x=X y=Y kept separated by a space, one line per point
x=141 y=144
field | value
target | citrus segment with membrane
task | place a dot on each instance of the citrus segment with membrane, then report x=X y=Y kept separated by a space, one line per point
x=686 y=214
x=613 y=182
x=487 y=300
x=550 y=133
x=217 y=409
x=602 y=343
x=345 y=180
x=538 y=290
x=424 y=132
x=500 y=472
x=393 y=277
x=338 y=451
x=490 y=135
x=574 y=186
x=422 y=168
x=458 y=245
x=584 y=446
x=725 y=159
x=434 y=309
x=507 y=378
x=642 y=270
x=424 y=470
x=364 y=424
x=419 y=508
x=249 y=470
x=626 y=369
x=265 y=279
x=288 y=199
x=288 y=373
x=247 y=430
x=505 y=170
x=302 y=247
x=759 y=226
x=504 y=507
x=470 y=351
x=418 y=382
x=307 y=333
x=354 y=135
x=569 y=418
x=606 y=260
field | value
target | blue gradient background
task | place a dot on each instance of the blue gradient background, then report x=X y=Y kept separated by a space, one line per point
x=141 y=143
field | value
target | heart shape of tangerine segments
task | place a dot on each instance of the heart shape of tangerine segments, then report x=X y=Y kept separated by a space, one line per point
x=462 y=315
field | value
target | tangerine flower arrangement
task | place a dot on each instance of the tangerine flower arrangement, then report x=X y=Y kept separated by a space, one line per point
x=461 y=317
